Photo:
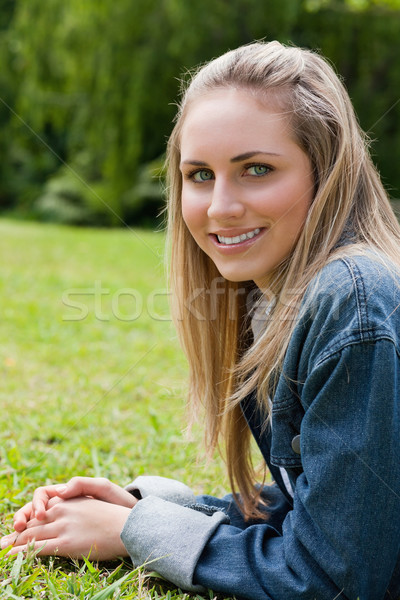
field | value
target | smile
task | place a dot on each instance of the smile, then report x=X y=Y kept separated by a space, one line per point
x=238 y=238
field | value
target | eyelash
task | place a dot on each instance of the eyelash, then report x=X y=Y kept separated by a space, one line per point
x=268 y=167
x=190 y=175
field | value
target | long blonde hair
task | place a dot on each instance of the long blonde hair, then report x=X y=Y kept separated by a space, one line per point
x=211 y=313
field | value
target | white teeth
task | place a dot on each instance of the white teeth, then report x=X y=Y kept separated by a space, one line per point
x=238 y=238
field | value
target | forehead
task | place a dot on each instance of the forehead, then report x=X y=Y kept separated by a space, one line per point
x=235 y=118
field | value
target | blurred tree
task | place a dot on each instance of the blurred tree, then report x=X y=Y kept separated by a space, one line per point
x=366 y=52
x=95 y=76
x=357 y=5
x=7 y=99
x=87 y=88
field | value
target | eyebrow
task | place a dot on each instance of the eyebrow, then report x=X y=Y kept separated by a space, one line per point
x=235 y=159
x=248 y=155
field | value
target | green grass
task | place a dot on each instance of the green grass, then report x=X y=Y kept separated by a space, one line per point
x=92 y=383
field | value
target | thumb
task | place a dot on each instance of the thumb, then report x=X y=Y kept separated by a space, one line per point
x=99 y=488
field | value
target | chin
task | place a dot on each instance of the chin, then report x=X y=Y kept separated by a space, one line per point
x=235 y=278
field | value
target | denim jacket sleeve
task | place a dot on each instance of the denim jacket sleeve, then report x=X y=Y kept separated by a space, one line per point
x=339 y=391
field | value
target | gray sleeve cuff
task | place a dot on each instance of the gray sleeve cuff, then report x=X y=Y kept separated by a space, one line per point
x=162 y=487
x=169 y=537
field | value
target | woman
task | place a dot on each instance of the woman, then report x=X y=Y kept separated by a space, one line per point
x=285 y=276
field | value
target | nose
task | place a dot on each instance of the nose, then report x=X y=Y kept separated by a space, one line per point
x=225 y=202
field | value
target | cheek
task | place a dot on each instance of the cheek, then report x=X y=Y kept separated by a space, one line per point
x=192 y=212
x=185 y=208
x=290 y=204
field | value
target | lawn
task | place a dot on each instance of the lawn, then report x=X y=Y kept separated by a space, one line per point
x=93 y=383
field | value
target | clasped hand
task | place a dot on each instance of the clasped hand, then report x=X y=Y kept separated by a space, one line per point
x=81 y=518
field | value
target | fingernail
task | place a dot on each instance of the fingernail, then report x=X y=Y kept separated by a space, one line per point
x=60 y=489
x=4 y=542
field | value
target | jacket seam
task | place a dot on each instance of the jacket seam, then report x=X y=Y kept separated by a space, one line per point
x=379 y=338
x=359 y=286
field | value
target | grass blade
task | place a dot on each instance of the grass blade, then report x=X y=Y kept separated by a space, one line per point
x=106 y=593
x=16 y=568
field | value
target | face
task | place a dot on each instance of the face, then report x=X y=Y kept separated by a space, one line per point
x=247 y=185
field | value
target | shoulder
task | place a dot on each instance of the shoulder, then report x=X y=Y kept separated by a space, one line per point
x=356 y=273
x=354 y=298
x=366 y=283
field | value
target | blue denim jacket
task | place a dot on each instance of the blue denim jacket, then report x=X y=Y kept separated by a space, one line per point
x=333 y=449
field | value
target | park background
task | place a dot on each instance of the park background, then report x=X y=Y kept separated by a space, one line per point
x=88 y=90
x=92 y=378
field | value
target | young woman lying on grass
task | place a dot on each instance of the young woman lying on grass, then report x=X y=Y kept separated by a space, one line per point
x=278 y=217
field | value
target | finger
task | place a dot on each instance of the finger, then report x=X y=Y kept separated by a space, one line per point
x=99 y=488
x=49 y=542
x=41 y=497
x=52 y=547
x=36 y=532
x=45 y=548
x=8 y=540
x=22 y=516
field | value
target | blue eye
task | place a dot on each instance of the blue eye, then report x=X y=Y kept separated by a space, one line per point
x=201 y=175
x=258 y=170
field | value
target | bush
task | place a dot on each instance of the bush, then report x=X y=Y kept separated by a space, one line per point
x=70 y=199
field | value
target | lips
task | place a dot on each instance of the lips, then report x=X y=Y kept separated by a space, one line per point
x=237 y=239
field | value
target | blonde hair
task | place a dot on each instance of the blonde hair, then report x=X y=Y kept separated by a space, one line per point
x=210 y=312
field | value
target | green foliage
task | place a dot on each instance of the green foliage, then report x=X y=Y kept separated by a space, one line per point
x=29 y=577
x=356 y=5
x=68 y=198
x=87 y=89
x=92 y=384
x=365 y=51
